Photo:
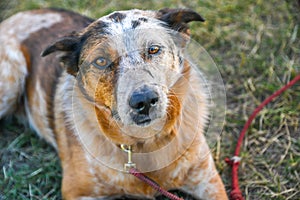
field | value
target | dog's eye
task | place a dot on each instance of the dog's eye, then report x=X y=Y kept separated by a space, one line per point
x=101 y=63
x=154 y=49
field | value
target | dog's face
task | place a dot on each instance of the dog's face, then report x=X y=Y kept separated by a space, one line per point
x=128 y=62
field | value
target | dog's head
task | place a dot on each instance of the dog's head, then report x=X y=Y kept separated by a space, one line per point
x=128 y=62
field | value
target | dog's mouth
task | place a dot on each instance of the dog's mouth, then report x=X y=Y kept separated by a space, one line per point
x=137 y=119
x=141 y=120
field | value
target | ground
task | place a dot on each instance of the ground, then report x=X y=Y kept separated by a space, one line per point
x=256 y=47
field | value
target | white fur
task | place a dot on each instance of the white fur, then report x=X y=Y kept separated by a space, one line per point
x=23 y=24
x=36 y=115
x=13 y=69
x=12 y=72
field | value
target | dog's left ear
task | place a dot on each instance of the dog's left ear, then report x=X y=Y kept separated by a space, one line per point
x=70 y=46
x=178 y=19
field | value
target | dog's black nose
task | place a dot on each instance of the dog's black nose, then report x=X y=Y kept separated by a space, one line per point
x=143 y=99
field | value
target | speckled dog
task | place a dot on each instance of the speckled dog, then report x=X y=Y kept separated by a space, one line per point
x=89 y=86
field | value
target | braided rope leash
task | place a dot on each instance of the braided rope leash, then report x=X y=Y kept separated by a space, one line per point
x=236 y=193
x=130 y=167
x=153 y=184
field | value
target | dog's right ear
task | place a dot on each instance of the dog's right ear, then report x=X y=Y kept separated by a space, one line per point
x=70 y=46
x=177 y=20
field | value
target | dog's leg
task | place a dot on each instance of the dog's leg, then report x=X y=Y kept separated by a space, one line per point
x=13 y=71
x=204 y=182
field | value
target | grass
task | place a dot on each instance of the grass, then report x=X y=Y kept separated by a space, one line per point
x=257 y=49
x=29 y=167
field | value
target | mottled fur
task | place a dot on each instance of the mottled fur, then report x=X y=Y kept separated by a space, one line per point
x=77 y=98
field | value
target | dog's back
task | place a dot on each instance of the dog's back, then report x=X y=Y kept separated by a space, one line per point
x=26 y=79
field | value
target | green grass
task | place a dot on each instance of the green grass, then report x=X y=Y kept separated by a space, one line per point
x=257 y=49
x=29 y=166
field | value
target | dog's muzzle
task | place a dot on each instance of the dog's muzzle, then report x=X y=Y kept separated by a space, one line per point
x=143 y=101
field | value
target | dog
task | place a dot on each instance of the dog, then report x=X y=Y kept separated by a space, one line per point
x=97 y=89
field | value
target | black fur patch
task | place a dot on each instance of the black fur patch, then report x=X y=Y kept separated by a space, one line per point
x=178 y=19
x=143 y=19
x=96 y=29
x=135 y=24
x=117 y=17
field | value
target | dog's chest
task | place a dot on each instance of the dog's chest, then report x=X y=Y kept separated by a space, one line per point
x=113 y=181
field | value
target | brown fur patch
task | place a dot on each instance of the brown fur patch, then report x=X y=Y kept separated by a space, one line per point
x=111 y=129
x=74 y=167
x=27 y=56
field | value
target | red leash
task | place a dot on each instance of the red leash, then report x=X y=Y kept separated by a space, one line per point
x=153 y=184
x=130 y=167
x=235 y=193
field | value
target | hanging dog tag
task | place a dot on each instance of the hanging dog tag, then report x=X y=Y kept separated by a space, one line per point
x=129 y=164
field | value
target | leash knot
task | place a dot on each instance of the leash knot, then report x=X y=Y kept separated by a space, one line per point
x=235 y=160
